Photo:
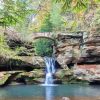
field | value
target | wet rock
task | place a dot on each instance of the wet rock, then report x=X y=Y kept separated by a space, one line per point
x=65 y=98
x=57 y=81
x=27 y=63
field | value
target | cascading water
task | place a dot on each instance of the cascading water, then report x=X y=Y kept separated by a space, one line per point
x=50 y=69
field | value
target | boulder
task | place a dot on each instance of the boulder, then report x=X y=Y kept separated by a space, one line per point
x=65 y=98
x=3 y=78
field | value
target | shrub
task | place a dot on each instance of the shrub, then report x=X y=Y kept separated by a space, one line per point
x=43 y=47
x=5 y=51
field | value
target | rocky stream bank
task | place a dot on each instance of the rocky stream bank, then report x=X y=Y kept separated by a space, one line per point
x=73 y=52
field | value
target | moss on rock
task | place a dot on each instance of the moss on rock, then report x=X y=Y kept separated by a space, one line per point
x=4 y=78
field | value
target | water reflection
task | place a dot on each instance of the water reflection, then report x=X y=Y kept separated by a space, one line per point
x=49 y=92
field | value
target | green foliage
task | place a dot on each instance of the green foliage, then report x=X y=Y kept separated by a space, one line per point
x=56 y=18
x=4 y=78
x=80 y=9
x=43 y=47
x=5 y=51
x=53 y=20
x=47 y=25
x=76 y=5
x=23 y=51
x=96 y=19
x=95 y=23
x=13 y=11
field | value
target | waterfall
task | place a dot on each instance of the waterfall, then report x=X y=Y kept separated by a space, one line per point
x=50 y=69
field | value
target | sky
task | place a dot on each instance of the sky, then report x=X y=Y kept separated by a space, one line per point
x=1 y=3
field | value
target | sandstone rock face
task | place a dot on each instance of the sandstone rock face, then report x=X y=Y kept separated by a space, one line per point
x=14 y=39
x=87 y=72
x=34 y=60
x=79 y=49
x=27 y=63
x=68 y=50
x=87 y=56
x=90 y=52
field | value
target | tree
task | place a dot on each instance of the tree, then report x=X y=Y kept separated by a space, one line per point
x=79 y=9
x=42 y=15
x=95 y=22
x=13 y=11
x=5 y=51
x=76 y=5
x=49 y=17
x=44 y=47
x=56 y=18
x=47 y=25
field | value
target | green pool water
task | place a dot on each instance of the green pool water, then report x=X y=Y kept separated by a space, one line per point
x=49 y=91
